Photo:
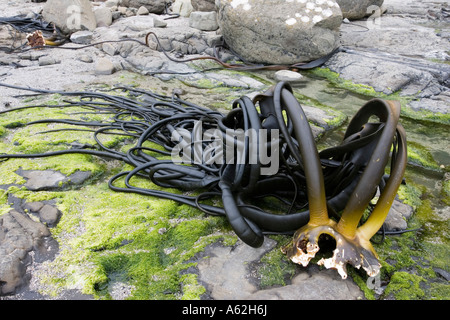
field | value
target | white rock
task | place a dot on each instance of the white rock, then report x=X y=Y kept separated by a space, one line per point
x=288 y=76
x=182 y=7
x=142 y=11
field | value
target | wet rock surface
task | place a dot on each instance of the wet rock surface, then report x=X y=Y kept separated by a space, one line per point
x=357 y=9
x=400 y=52
x=227 y=275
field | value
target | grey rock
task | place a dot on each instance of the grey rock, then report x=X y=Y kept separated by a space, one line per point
x=81 y=37
x=18 y=236
x=49 y=179
x=42 y=180
x=49 y=215
x=357 y=9
x=183 y=39
x=203 y=5
x=103 y=17
x=48 y=60
x=104 y=67
x=438 y=104
x=398 y=216
x=116 y=15
x=86 y=58
x=153 y=6
x=280 y=32
x=387 y=73
x=70 y=15
x=109 y=48
x=321 y=285
x=201 y=20
x=79 y=177
x=33 y=206
x=134 y=24
x=130 y=12
x=158 y=23
x=226 y=274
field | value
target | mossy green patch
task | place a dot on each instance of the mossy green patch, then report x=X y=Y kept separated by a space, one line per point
x=405 y=286
x=335 y=79
x=105 y=232
x=274 y=268
x=419 y=155
x=410 y=260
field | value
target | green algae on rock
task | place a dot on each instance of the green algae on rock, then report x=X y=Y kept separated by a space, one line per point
x=365 y=90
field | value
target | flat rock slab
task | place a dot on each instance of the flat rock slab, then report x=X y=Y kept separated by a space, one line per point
x=226 y=276
x=49 y=179
x=320 y=285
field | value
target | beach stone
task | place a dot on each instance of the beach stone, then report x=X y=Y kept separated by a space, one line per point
x=203 y=5
x=109 y=48
x=81 y=37
x=85 y=58
x=280 y=32
x=202 y=20
x=288 y=76
x=142 y=11
x=357 y=9
x=47 y=61
x=49 y=215
x=158 y=23
x=104 y=67
x=103 y=16
x=153 y=6
x=33 y=206
x=70 y=15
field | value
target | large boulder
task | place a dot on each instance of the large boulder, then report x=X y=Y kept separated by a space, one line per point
x=70 y=15
x=280 y=31
x=357 y=9
x=153 y=6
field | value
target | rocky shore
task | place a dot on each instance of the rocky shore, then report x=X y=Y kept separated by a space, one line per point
x=54 y=241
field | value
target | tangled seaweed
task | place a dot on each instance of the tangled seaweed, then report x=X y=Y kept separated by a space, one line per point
x=323 y=193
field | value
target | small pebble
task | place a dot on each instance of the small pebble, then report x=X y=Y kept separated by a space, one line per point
x=288 y=76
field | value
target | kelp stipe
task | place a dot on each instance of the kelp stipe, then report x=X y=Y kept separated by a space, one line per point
x=352 y=241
